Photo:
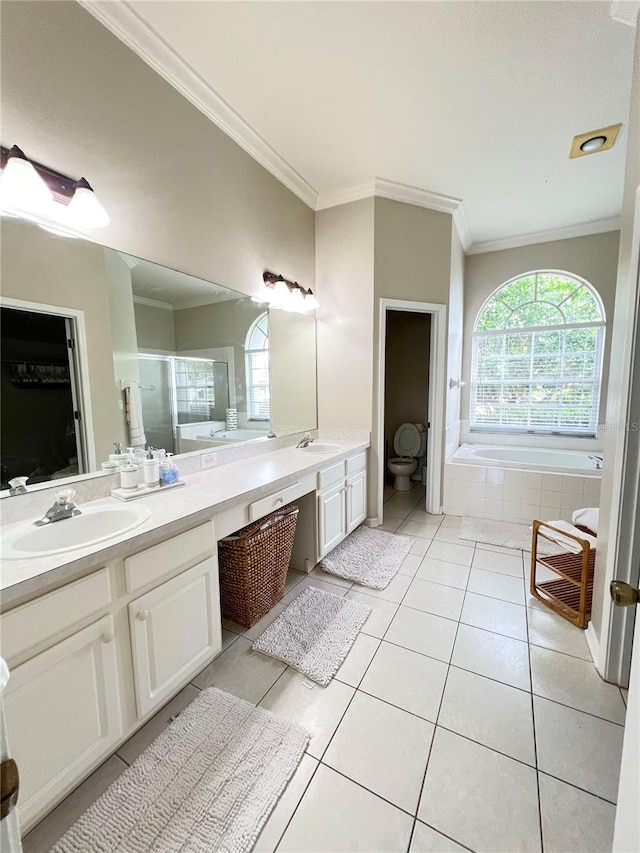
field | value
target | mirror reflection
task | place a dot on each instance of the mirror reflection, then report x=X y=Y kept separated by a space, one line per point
x=102 y=351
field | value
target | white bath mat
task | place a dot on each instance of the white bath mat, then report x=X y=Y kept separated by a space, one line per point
x=368 y=556
x=503 y=533
x=315 y=633
x=207 y=783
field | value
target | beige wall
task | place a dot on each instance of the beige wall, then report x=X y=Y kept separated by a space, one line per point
x=155 y=328
x=406 y=394
x=619 y=519
x=292 y=372
x=412 y=262
x=455 y=342
x=39 y=268
x=178 y=190
x=345 y=257
x=594 y=258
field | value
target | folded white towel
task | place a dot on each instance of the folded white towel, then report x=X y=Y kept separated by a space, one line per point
x=566 y=541
x=587 y=517
x=137 y=438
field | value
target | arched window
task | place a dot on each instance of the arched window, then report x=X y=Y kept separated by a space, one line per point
x=256 y=354
x=537 y=356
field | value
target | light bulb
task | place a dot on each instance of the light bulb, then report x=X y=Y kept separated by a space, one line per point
x=21 y=187
x=280 y=293
x=84 y=210
x=593 y=144
x=310 y=302
x=296 y=300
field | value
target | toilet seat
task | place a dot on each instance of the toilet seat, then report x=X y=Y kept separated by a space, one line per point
x=408 y=441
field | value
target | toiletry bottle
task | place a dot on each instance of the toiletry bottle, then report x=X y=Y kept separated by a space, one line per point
x=129 y=475
x=169 y=471
x=151 y=469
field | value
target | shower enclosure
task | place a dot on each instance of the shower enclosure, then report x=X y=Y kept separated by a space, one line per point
x=177 y=390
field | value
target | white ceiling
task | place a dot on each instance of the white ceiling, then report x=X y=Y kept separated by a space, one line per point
x=173 y=289
x=475 y=101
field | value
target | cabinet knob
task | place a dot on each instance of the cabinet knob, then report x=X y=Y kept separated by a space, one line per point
x=279 y=499
x=142 y=615
x=107 y=637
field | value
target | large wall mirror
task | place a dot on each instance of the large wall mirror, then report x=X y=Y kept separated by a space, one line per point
x=99 y=347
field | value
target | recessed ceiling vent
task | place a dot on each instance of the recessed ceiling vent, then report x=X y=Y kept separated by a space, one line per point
x=594 y=141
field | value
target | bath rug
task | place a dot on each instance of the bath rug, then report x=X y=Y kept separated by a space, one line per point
x=315 y=633
x=368 y=556
x=504 y=533
x=208 y=782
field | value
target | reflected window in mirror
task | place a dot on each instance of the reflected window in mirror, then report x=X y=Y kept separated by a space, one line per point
x=257 y=370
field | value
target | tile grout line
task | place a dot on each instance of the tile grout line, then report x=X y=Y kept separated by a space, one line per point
x=435 y=729
x=533 y=725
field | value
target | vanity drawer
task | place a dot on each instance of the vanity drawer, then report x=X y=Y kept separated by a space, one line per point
x=36 y=621
x=264 y=506
x=356 y=463
x=330 y=476
x=164 y=559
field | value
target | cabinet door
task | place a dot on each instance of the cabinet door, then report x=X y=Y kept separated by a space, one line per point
x=331 y=519
x=62 y=710
x=175 y=630
x=356 y=500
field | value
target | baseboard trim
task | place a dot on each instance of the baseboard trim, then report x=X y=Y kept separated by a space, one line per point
x=594 y=645
x=373 y=522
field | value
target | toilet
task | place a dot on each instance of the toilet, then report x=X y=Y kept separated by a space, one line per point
x=409 y=443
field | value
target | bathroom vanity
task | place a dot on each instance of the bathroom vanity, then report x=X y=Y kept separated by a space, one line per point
x=99 y=638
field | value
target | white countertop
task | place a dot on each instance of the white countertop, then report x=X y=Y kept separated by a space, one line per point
x=205 y=494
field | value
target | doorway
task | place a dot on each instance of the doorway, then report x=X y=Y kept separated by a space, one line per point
x=41 y=434
x=406 y=382
x=425 y=366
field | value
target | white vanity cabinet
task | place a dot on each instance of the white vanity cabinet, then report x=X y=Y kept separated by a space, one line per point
x=63 y=713
x=175 y=630
x=342 y=501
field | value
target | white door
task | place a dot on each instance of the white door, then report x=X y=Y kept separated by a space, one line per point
x=356 y=500
x=62 y=711
x=626 y=836
x=175 y=630
x=331 y=519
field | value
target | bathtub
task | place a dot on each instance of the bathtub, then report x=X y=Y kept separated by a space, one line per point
x=519 y=484
x=526 y=458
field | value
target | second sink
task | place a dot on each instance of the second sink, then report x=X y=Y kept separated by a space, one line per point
x=318 y=447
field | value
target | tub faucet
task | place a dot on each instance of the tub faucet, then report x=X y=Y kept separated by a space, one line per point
x=597 y=461
x=305 y=441
x=62 y=508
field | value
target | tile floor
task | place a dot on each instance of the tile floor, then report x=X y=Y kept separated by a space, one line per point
x=466 y=716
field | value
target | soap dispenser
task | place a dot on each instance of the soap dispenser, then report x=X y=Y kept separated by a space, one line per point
x=169 y=471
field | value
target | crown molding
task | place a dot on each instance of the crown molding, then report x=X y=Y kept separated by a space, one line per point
x=625 y=11
x=394 y=191
x=152 y=303
x=584 y=229
x=125 y=23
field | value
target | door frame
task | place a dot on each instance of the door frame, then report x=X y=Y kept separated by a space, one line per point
x=612 y=653
x=86 y=439
x=436 y=413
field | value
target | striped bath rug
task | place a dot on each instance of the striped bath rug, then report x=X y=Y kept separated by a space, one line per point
x=207 y=783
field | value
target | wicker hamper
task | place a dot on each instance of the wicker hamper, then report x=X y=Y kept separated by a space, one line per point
x=253 y=566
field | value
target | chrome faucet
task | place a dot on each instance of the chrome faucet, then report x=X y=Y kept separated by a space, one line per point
x=18 y=486
x=597 y=461
x=64 y=507
x=305 y=441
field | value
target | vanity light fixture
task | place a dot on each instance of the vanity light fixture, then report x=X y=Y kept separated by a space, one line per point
x=35 y=192
x=594 y=141
x=289 y=295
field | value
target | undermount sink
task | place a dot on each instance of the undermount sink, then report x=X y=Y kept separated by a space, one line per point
x=93 y=525
x=318 y=447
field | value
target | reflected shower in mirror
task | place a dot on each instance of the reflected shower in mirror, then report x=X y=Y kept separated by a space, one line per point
x=206 y=366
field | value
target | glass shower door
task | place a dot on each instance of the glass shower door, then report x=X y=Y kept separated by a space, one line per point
x=157 y=401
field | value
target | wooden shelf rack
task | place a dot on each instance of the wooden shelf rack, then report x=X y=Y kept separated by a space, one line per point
x=570 y=593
